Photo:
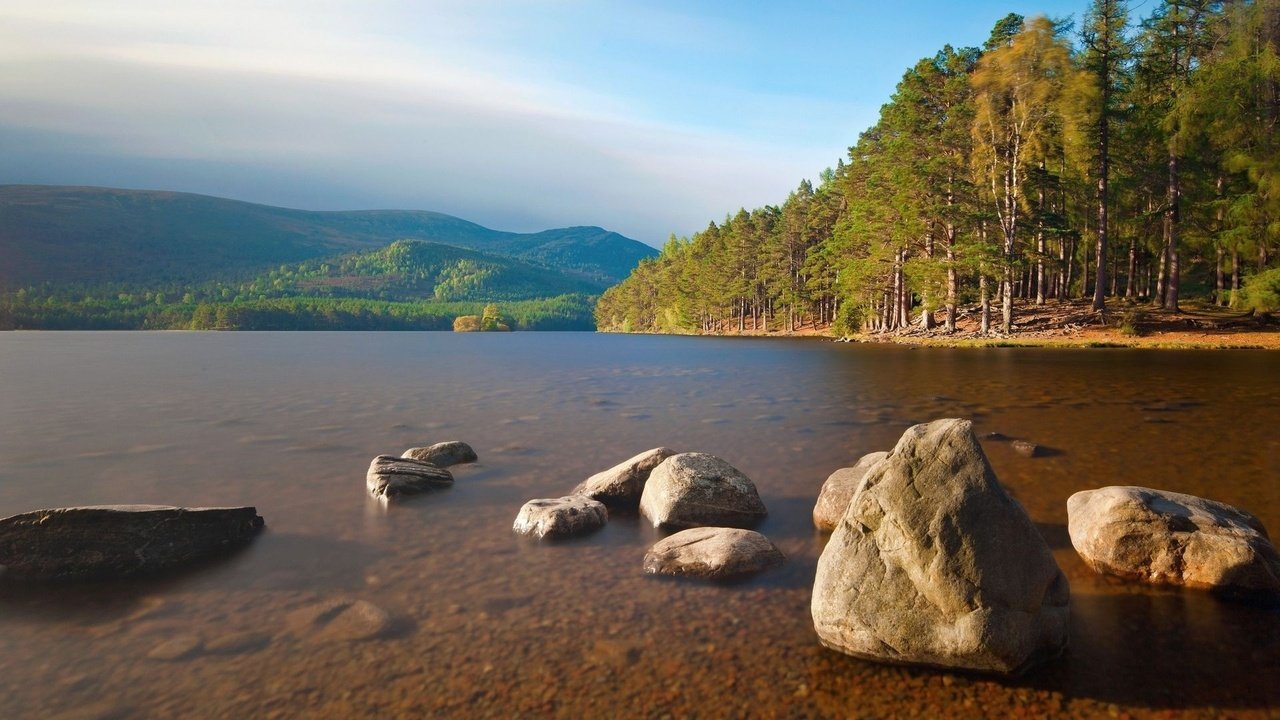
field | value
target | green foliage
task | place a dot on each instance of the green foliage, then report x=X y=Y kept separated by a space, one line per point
x=1262 y=291
x=989 y=173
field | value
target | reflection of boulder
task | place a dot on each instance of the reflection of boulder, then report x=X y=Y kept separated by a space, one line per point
x=934 y=564
x=1169 y=538
x=621 y=486
x=712 y=552
x=696 y=489
x=838 y=490
x=108 y=541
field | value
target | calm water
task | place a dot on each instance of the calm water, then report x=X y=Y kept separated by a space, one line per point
x=490 y=624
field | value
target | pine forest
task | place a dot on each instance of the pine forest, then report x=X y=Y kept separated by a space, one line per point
x=1106 y=160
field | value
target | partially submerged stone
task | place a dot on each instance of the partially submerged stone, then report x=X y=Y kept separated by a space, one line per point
x=443 y=454
x=111 y=541
x=713 y=552
x=390 y=477
x=1025 y=448
x=621 y=486
x=560 y=517
x=1168 y=538
x=935 y=564
x=838 y=491
x=696 y=489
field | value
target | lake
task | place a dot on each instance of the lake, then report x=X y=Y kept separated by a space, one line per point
x=491 y=624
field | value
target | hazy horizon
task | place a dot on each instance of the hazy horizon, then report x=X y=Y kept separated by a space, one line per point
x=521 y=116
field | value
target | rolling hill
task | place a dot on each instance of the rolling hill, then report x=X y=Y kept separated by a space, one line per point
x=87 y=235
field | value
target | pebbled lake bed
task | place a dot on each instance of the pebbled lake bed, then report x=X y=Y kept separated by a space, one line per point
x=486 y=623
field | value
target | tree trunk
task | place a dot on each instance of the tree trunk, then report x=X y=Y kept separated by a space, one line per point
x=1235 y=276
x=985 y=291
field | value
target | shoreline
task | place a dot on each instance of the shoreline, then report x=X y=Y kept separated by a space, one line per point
x=1073 y=324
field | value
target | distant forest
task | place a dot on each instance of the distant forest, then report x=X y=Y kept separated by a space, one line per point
x=407 y=285
x=1112 y=159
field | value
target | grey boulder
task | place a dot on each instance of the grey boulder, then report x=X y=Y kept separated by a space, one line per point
x=110 y=541
x=621 y=486
x=837 y=491
x=712 y=552
x=560 y=517
x=390 y=477
x=1168 y=538
x=443 y=454
x=696 y=490
x=935 y=564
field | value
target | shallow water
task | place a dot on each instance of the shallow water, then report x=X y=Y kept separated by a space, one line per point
x=491 y=624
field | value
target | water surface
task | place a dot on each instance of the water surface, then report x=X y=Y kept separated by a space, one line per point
x=491 y=624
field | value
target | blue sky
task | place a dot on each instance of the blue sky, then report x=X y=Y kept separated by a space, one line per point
x=647 y=118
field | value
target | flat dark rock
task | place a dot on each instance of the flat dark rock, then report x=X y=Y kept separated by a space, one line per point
x=110 y=541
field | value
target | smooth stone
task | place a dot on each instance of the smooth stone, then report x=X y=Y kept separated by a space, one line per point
x=390 y=477
x=443 y=454
x=1168 y=538
x=621 y=486
x=1024 y=448
x=560 y=517
x=237 y=643
x=176 y=648
x=696 y=489
x=935 y=564
x=837 y=491
x=110 y=541
x=712 y=552
x=339 y=620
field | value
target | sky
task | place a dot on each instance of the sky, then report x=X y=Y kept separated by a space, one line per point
x=648 y=117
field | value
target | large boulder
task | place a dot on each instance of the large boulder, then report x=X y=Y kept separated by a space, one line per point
x=696 y=489
x=560 y=517
x=837 y=491
x=443 y=454
x=1168 y=538
x=621 y=486
x=390 y=477
x=110 y=541
x=934 y=564
x=712 y=552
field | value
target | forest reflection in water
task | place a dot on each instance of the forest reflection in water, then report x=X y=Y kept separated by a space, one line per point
x=487 y=623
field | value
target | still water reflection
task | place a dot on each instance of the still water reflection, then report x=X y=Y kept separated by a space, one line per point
x=489 y=624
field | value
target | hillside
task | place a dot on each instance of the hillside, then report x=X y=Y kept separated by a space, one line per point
x=88 y=235
x=413 y=271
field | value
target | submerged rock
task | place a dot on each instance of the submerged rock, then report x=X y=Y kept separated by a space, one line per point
x=1169 y=538
x=712 y=552
x=621 y=486
x=696 y=489
x=1025 y=448
x=935 y=564
x=178 y=647
x=443 y=454
x=560 y=517
x=339 y=620
x=838 y=490
x=390 y=477
x=109 y=541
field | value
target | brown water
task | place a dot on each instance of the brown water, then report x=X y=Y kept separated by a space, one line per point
x=491 y=624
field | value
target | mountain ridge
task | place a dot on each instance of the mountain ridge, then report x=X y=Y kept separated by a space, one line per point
x=89 y=234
